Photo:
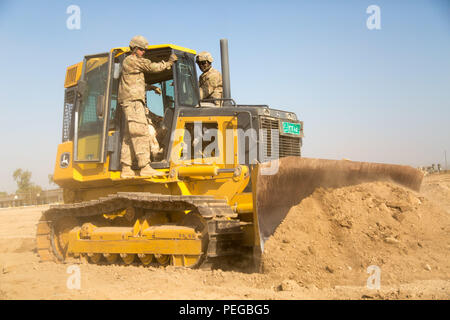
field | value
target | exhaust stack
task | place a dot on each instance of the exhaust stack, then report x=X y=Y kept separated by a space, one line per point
x=225 y=71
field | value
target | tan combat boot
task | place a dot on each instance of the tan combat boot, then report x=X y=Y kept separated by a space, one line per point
x=127 y=172
x=157 y=155
x=148 y=171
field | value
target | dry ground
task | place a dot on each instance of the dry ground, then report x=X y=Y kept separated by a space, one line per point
x=416 y=271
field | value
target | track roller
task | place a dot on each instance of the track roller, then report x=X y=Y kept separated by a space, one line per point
x=127 y=258
x=146 y=259
x=163 y=259
x=95 y=257
x=111 y=257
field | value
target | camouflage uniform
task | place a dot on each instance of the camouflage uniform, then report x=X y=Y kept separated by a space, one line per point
x=210 y=84
x=137 y=138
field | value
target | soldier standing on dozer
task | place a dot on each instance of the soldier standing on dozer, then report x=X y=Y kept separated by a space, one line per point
x=210 y=81
x=137 y=141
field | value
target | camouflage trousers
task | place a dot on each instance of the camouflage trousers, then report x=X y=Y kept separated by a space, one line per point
x=139 y=135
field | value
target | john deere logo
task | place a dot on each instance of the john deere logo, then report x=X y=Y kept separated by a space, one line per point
x=65 y=160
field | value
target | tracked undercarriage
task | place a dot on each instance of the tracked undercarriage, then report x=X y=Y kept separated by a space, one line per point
x=129 y=227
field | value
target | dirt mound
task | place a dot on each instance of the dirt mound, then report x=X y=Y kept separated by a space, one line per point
x=437 y=188
x=334 y=235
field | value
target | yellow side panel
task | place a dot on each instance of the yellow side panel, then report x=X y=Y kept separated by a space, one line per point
x=61 y=174
x=78 y=172
x=227 y=142
x=157 y=46
x=73 y=74
x=189 y=247
x=94 y=175
x=88 y=147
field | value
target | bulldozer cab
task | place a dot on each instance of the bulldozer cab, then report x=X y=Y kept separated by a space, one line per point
x=98 y=122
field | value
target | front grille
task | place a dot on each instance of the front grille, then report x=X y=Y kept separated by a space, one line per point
x=280 y=147
x=69 y=103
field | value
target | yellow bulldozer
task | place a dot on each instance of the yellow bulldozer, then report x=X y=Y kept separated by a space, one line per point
x=230 y=174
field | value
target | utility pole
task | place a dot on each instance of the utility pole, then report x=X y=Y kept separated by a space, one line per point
x=445 y=156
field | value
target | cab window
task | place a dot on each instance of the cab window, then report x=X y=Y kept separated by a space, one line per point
x=187 y=89
x=90 y=124
x=158 y=103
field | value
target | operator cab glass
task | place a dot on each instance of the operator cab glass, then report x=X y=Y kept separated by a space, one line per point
x=89 y=115
x=188 y=94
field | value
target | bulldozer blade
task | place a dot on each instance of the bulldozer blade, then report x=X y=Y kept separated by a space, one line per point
x=281 y=184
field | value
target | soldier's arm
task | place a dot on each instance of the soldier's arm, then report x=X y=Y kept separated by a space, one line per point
x=148 y=66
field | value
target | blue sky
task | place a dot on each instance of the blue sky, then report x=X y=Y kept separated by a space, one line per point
x=368 y=95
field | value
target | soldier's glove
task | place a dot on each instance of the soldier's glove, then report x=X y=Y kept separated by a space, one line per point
x=153 y=88
x=173 y=57
x=157 y=90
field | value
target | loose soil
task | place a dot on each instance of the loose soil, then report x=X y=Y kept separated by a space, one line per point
x=321 y=251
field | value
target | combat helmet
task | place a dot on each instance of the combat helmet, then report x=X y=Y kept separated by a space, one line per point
x=204 y=56
x=138 y=41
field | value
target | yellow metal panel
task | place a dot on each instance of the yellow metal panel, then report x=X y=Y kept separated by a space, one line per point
x=79 y=172
x=226 y=143
x=184 y=260
x=157 y=46
x=73 y=74
x=184 y=247
x=88 y=147
x=88 y=166
x=111 y=233
x=183 y=188
x=169 y=232
x=61 y=175
x=93 y=63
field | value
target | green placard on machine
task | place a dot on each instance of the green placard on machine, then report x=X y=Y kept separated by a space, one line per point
x=292 y=128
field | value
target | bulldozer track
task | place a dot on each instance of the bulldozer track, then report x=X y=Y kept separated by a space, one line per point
x=223 y=227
